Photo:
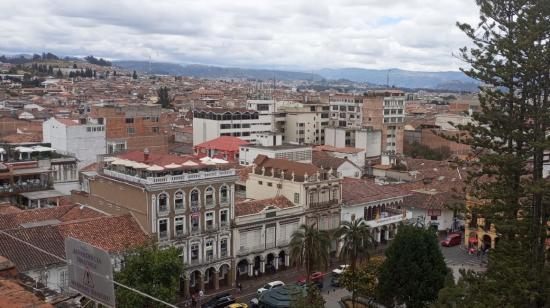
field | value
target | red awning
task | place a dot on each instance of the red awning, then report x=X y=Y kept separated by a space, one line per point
x=472 y=240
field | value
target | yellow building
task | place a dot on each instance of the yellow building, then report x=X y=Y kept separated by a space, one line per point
x=479 y=232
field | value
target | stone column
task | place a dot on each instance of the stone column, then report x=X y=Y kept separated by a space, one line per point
x=250 y=270
x=262 y=266
x=233 y=275
x=378 y=235
x=387 y=234
x=276 y=263
x=186 y=292
x=287 y=260
x=201 y=282
x=216 y=280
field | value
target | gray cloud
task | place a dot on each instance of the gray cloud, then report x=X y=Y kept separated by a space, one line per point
x=286 y=34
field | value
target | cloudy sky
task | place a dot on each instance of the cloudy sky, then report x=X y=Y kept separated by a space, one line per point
x=285 y=34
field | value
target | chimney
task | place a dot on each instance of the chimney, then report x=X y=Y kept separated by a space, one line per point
x=146 y=154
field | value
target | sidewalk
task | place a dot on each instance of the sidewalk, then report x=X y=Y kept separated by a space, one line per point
x=332 y=297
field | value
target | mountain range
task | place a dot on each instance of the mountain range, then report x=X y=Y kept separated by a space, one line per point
x=449 y=80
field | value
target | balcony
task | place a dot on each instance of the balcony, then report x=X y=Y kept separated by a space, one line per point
x=179 y=233
x=224 y=225
x=169 y=178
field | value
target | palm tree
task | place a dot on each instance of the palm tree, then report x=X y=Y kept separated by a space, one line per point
x=356 y=241
x=310 y=247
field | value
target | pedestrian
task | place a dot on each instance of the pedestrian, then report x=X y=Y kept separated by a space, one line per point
x=240 y=287
x=194 y=300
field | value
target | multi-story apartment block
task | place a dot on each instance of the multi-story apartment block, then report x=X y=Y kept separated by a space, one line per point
x=318 y=191
x=212 y=123
x=346 y=111
x=306 y=123
x=262 y=233
x=134 y=127
x=270 y=145
x=177 y=200
x=84 y=139
x=385 y=110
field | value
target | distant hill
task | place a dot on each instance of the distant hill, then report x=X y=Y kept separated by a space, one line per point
x=455 y=81
x=450 y=80
x=205 y=71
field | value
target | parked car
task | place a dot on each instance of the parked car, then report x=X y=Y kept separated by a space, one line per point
x=334 y=281
x=452 y=240
x=316 y=278
x=219 y=301
x=270 y=285
x=237 y=305
x=340 y=269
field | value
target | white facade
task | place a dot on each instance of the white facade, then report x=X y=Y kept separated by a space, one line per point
x=443 y=218
x=208 y=125
x=369 y=140
x=248 y=153
x=83 y=141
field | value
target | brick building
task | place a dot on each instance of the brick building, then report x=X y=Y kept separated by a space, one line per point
x=385 y=110
x=135 y=127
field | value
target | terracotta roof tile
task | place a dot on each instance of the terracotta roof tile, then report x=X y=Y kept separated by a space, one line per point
x=279 y=165
x=357 y=191
x=249 y=207
x=223 y=143
x=61 y=213
x=14 y=295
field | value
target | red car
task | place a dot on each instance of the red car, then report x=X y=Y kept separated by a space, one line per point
x=451 y=240
x=315 y=277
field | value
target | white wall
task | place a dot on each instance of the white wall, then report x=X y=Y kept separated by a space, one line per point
x=445 y=220
x=349 y=170
x=206 y=129
x=335 y=137
x=370 y=140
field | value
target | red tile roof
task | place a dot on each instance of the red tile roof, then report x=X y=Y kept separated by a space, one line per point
x=15 y=295
x=249 y=207
x=358 y=191
x=61 y=213
x=223 y=143
x=276 y=166
x=67 y=122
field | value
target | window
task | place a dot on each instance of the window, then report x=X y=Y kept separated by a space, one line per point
x=351 y=108
x=224 y=218
x=225 y=126
x=335 y=108
x=296 y=198
x=236 y=125
x=245 y=125
x=194 y=198
x=269 y=184
x=433 y=217
x=178 y=201
x=223 y=248
x=262 y=107
x=155 y=129
x=163 y=203
x=195 y=224
x=224 y=194
x=260 y=183
x=194 y=252
x=130 y=130
x=209 y=220
x=209 y=197
x=163 y=229
x=209 y=250
x=179 y=225
x=63 y=279
x=129 y=120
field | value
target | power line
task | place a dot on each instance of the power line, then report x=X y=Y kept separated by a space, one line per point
x=109 y=278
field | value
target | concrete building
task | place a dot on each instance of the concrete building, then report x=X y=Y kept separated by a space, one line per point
x=316 y=190
x=306 y=123
x=346 y=111
x=83 y=139
x=212 y=123
x=382 y=207
x=362 y=138
x=270 y=145
x=385 y=110
x=179 y=201
x=262 y=233
x=134 y=127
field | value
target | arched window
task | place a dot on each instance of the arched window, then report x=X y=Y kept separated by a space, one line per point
x=163 y=202
x=194 y=198
x=209 y=197
x=179 y=201
x=224 y=194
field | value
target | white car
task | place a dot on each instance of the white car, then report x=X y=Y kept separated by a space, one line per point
x=270 y=286
x=340 y=269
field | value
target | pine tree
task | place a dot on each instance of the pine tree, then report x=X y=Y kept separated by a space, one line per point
x=163 y=97
x=59 y=74
x=511 y=58
x=134 y=75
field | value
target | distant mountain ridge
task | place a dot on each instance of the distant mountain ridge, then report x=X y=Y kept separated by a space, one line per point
x=450 y=80
x=456 y=81
x=206 y=71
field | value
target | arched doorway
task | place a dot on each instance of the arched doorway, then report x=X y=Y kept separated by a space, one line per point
x=383 y=232
x=194 y=281
x=281 y=260
x=209 y=278
x=224 y=275
x=257 y=262
x=242 y=267
x=270 y=263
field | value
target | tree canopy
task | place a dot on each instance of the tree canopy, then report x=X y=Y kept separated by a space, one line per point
x=414 y=270
x=150 y=270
